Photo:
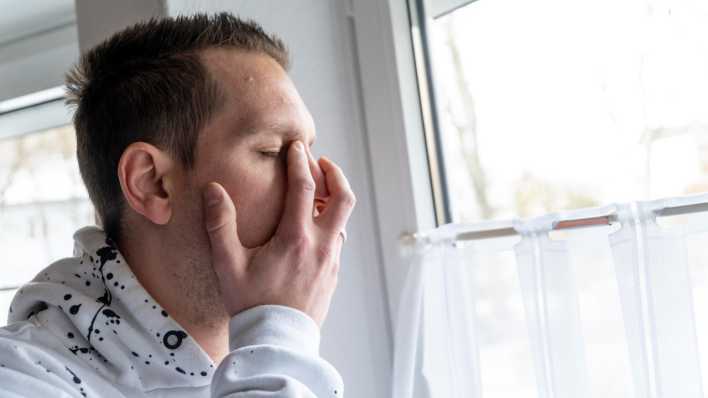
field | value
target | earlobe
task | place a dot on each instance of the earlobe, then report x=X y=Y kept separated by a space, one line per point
x=143 y=172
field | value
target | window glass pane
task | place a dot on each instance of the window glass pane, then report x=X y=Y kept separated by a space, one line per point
x=548 y=105
x=42 y=203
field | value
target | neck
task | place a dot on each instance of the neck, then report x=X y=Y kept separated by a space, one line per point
x=185 y=287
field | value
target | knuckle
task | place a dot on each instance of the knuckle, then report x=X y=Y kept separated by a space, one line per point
x=298 y=243
x=305 y=184
x=349 y=199
x=290 y=235
x=324 y=252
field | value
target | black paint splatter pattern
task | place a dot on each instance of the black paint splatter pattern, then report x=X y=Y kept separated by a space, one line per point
x=76 y=380
x=171 y=339
x=105 y=254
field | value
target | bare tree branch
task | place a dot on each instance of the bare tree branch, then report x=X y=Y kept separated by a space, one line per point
x=467 y=129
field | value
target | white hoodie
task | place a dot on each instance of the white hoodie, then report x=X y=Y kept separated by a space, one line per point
x=85 y=327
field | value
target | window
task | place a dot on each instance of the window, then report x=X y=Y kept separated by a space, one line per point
x=549 y=105
x=42 y=203
x=545 y=106
x=41 y=194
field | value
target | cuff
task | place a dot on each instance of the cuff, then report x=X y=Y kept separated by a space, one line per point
x=275 y=325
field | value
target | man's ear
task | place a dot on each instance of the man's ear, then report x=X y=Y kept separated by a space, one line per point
x=144 y=174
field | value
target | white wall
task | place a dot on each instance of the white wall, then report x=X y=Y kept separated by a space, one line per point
x=357 y=336
x=37 y=62
x=98 y=19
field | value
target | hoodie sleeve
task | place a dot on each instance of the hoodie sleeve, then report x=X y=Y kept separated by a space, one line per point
x=275 y=353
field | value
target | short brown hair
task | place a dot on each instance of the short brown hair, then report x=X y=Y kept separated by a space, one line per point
x=147 y=83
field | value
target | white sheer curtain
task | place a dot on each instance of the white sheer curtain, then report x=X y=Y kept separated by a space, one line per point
x=606 y=311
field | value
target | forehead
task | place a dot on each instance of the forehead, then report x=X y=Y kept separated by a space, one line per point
x=258 y=94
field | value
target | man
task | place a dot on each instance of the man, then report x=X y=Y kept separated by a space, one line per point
x=222 y=233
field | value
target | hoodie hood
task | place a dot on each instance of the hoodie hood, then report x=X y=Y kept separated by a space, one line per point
x=95 y=306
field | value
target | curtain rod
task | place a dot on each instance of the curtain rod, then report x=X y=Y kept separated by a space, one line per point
x=508 y=230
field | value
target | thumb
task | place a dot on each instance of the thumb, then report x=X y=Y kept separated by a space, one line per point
x=227 y=253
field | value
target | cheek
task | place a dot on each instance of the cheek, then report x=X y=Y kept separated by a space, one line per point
x=257 y=188
x=260 y=192
x=259 y=197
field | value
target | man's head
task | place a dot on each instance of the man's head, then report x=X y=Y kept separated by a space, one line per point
x=166 y=106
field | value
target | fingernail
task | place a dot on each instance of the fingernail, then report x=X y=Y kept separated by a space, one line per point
x=212 y=195
x=298 y=145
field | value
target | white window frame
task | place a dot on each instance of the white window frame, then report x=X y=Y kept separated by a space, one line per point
x=34 y=112
x=437 y=8
x=395 y=135
x=397 y=120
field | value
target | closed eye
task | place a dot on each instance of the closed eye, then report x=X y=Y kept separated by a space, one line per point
x=270 y=154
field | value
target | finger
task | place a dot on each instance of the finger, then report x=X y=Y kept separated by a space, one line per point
x=341 y=200
x=337 y=259
x=299 y=200
x=318 y=176
x=227 y=253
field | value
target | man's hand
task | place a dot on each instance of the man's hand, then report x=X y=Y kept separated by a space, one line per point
x=298 y=267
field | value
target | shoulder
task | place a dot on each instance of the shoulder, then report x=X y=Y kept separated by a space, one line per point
x=28 y=347
x=32 y=362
